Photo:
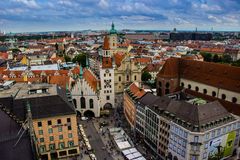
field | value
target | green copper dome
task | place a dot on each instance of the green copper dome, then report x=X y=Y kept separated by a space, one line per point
x=113 y=30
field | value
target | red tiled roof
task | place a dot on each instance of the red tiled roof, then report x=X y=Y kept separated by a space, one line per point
x=138 y=92
x=106 y=62
x=214 y=74
x=106 y=43
x=169 y=69
x=152 y=67
x=119 y=56
x=59 y=80
x=90 y=78
x=142 y=60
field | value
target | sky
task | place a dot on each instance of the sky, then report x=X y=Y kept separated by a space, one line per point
x=76 y=15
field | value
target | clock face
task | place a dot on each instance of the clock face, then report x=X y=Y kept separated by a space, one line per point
x=107 y=83
x=107 y=71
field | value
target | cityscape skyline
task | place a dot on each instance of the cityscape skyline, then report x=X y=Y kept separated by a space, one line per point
x=75 y=15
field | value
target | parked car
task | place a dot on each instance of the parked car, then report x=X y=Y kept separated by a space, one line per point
x=84 y=118
x=92 y=156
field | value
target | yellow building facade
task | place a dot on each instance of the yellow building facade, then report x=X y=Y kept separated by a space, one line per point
x=57 y=137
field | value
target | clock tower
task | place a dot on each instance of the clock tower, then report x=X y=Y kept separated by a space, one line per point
x=107 y=66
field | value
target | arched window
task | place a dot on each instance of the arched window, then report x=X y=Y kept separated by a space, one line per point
x=234 y=99
x=119 y=79
x=223 y=96
x=127 y=77
x=75 y=103
x=83 y=103
x=182 y=84
x=214 y=94
x=167 y=85
x=166 y=91
x=160 y=84
x=205 y=91
x=196 y=89
x=189 y=86
x=91 y=103
x=135 y=78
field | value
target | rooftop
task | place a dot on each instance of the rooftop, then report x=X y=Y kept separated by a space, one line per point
x=45 y=100
x=188 y=111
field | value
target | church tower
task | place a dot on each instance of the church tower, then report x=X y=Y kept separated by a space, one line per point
x=107 y=93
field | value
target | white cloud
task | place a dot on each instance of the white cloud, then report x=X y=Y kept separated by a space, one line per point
x=65 y=2
x=103 y=4
x=29 y=3
x=214 y=19
x=210 y=8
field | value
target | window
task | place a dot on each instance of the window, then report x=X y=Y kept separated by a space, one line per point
x=40 y=132
x=167 y=85
x=91 y=103
x=69 y=128
x=207 y=136
x=166 y=91
x=219 y=132
x=70 y=143
x=196 y=138
x=108 y=97
x=68 y=120
x=62 y=153
x=189 y=86
x=234 y=99
x=83 y=104
x=127 y=77
x=214 y=93
x=69 y=135
x=135 y=78
x=204 y=155
x=61 y=145
x=59 y=121
x=160 y=84
x=104 y=75
x=206 y=146
x=213 y=134
x=50 y=130
x=49 y=123
x=196 y=89
x=182 y=84
x=52 y=146
x=109 y=74
x=204 y=91
x=60 y=137
x=51 y=138
x=119 y=79
x=42 y=148
x=41 y=139
x=39 y=124
x=60 y=129
x=223 y=96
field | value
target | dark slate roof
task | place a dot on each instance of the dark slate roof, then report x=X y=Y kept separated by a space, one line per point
x=8 y=138
x=41 y=106
x=180 y=109
x=148 y=99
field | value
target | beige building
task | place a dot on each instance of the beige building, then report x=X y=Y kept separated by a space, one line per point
x=47 y=111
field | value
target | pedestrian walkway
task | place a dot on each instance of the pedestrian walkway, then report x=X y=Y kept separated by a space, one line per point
x=110 y=147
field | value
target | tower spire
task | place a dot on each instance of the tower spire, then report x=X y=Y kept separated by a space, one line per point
x=81 y=72
x=87 y=63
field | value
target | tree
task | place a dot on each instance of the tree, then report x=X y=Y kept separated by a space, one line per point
x=81 y=59
x=146 y=76
x=236 y=63
x=226 y=58
x=207 y=56
x=67 y=58
x=215 y=58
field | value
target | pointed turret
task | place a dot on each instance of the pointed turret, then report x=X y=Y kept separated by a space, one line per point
x=81 y=72
x=113 y=30
x=87 y=62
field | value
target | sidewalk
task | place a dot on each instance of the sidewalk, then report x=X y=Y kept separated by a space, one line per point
x=116 y=155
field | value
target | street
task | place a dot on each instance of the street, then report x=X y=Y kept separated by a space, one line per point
x=95 y=141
